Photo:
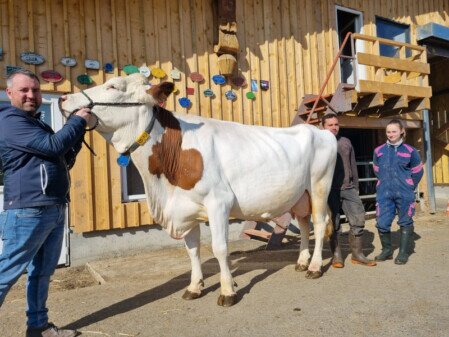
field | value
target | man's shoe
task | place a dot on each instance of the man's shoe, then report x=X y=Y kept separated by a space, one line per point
x=50 y=331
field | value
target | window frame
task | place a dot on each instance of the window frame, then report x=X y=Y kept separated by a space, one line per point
x=126 y=197
x=407 y=33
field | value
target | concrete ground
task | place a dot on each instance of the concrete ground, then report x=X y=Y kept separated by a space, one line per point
x=141 y=295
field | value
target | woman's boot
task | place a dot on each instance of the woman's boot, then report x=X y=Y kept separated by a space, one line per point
x=387 y=252
x=355 y=242
x=337 y=258
x=406 y=237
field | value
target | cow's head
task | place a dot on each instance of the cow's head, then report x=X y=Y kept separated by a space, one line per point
x=118 y=122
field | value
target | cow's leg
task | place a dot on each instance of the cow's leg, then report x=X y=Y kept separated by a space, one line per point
x=320 y=219
x=302 y=210
x=192 y=242
x=304 y=254
x=219 y=227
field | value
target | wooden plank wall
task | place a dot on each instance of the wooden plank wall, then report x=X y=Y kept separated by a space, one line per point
x=290 y=43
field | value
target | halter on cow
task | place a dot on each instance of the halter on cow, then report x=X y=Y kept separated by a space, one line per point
x=196 y=169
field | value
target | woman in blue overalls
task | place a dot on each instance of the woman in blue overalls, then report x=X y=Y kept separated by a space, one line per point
x=399 y=169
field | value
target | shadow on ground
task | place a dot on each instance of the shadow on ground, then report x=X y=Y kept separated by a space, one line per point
x=241 y=262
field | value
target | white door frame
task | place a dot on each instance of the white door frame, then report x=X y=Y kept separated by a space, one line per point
x=359 y=45
x=57 y=123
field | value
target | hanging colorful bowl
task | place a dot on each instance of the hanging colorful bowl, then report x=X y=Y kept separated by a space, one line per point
x=175 y=74
x=92 y=64
x=85 y=79
x=219 y=79
x=51 y=76
x=158 y=73
x=264 y=85
x=184 y=102
x=208 y=93
x=108 y=68
x=145 y=71
x=68 y=61
x=130 y=69
x=250 y=95
x=254 y=87
x=230 y=95
x=196 y=77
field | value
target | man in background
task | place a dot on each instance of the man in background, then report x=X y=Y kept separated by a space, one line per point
x=345 y=194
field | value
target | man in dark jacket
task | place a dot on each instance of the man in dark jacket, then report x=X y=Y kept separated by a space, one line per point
x=345 y=194
x=36 y=186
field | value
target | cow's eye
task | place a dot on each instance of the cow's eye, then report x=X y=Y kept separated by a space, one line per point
x=111 y=86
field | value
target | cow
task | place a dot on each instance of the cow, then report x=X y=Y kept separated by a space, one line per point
x=197 y=169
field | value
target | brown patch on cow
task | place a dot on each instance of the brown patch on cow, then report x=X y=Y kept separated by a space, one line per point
x=161 y=91
x=182 y=168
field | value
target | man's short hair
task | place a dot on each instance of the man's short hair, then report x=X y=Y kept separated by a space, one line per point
x=25 y=72
x=328 y=116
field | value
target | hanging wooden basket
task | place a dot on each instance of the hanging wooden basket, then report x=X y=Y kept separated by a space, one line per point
x=226 y=64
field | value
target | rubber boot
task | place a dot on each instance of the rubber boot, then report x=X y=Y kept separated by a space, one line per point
x=387 y=252
x=337 y=259
x=355 y=242
x=406 y=237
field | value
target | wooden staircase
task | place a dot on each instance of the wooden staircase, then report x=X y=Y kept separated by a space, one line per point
x=391 y=85
x=343 y=100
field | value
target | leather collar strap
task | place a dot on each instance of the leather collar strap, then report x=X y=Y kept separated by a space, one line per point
x=144 y=136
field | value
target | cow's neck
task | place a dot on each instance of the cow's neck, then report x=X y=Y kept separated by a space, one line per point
x=158 y=157
x=126 y=136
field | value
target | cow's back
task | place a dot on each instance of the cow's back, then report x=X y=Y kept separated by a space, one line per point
x=267 y=169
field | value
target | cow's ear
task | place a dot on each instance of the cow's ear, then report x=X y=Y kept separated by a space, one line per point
x=161 y=91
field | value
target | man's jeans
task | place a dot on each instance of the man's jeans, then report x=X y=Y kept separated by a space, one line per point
x=32 y=239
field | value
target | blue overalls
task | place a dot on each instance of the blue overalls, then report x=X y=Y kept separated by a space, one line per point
x=398 y=169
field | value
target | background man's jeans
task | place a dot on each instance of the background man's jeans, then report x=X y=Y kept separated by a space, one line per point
x=32 y=239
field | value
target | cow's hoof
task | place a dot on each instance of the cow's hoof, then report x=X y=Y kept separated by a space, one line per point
x=227 y=301
x=188 y=295
x=313 y=274
x=301 y=267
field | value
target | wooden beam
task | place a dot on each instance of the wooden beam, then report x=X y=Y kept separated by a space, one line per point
x=443 y=144
x=369 y=101
x=393 y=63
x=373 y=123
x=394 y=89
x=387 y=42
x=442 y=129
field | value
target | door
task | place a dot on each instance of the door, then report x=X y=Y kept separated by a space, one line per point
x=52 y=116
x=349 y=20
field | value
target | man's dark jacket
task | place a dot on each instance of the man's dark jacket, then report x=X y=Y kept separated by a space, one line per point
x=345 y=174
x=35 y=158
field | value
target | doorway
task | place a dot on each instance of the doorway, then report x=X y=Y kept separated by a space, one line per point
x=349 y=20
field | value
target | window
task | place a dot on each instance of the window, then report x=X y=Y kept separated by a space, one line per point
x=395 y=31
x=132 y=185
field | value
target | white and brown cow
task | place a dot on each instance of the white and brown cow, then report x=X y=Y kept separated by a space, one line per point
x=196 y=169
